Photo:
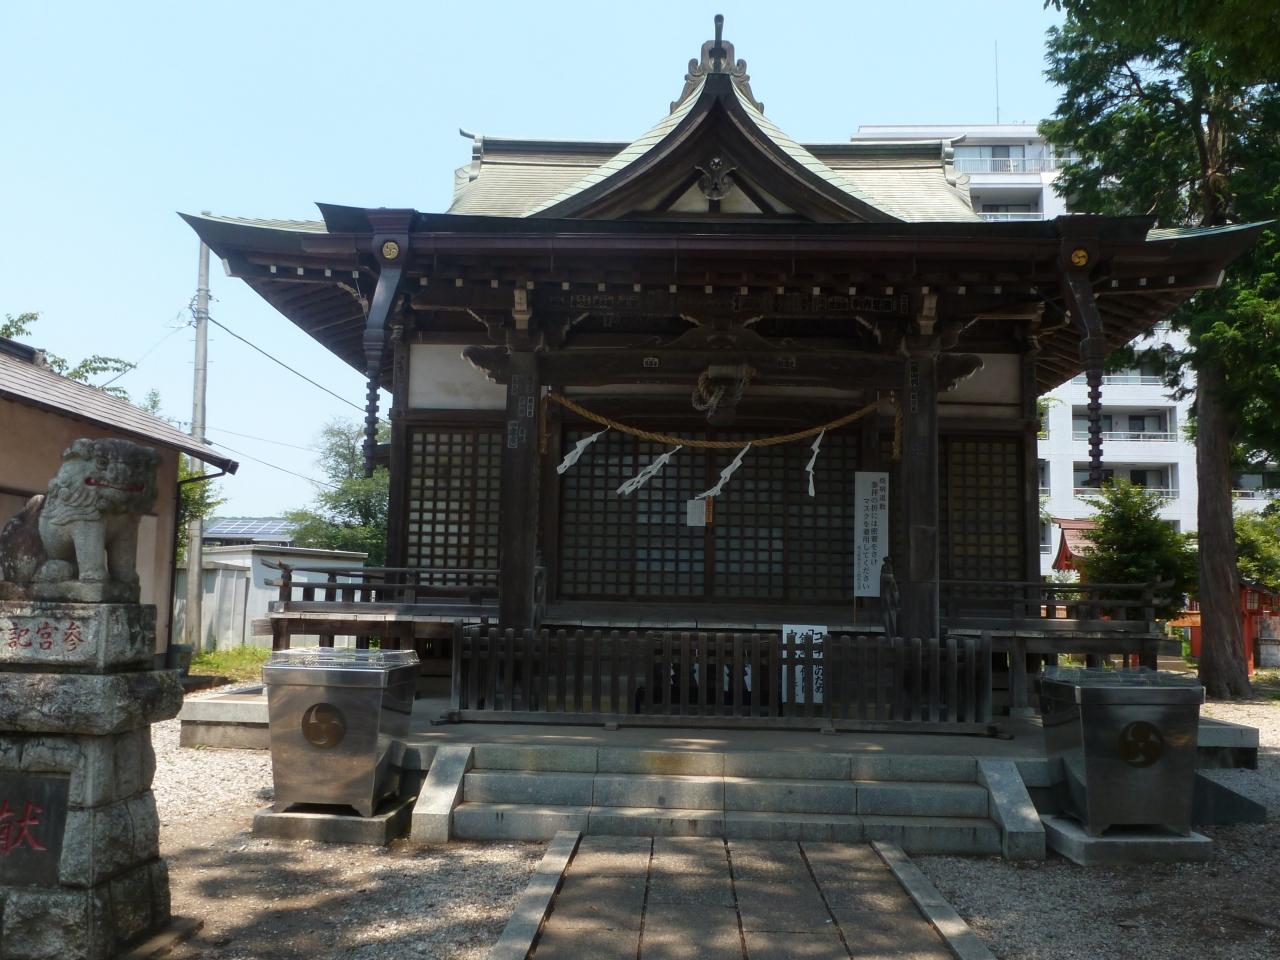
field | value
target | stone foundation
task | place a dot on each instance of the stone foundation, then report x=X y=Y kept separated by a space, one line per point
x=80 y=868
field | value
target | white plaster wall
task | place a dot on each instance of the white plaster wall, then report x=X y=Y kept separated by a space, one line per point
x=439 y=379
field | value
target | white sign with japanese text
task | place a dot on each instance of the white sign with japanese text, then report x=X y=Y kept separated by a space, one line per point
x=871 y=529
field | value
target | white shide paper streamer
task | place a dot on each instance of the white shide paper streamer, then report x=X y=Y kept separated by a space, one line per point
x=578 y=447
x=647 y=474
x=814 y=459
x=725 y=474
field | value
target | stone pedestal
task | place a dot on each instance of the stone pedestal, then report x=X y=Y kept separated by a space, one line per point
x=80 y=867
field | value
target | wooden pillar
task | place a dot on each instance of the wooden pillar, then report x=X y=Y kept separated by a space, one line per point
x=518 y=514
x=919 y=473
x=397 y=494
x=1030 y=393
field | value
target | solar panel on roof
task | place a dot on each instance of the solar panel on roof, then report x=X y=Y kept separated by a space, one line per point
x=248 y=527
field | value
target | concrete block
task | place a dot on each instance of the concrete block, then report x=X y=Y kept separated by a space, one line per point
x=101 y=842
x=965 y=836
x=440 y=793
x=1215 y=803
x=510 y=786
x=225 y=736
x=613 y=856
x=552 y=758
x=660 y=762
x=960 y=940
x=757 y=825
x=1011 y=808
x=1132 y=846
x=321 y=824
x=920 y=799
x=793 y=766
x=905 y=766
x=516 y=941
x=656 y=822
x=586 y=900
x=228 y=708
x=1039 y=772
x=87 y=703
x=791 y=796
x=419 y=756
x=79 y=636
x=682 y=888
x=516 y=821
x=667 y=792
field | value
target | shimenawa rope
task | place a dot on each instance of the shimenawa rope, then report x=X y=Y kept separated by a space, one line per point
x=673 y=441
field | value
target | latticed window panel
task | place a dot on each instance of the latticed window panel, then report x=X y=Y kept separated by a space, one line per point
x=768 y=540
x=454 y=494
x=980 y=493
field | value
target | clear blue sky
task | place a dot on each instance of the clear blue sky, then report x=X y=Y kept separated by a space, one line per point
x=119 y=115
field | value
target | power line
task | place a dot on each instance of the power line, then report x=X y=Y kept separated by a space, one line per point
x=250 y=343
x=273 y=466
x=279 y=443
x=146 y=353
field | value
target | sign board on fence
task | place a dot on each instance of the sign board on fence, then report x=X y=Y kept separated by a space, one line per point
x=871 y=530
x=796 y=694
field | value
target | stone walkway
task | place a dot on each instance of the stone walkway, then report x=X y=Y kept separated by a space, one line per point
x=710 y=899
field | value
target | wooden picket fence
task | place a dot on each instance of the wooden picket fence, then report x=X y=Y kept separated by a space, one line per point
x=659 y=677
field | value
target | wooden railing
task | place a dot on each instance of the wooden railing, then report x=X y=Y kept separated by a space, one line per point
x=669 y=678
x=402 y=585
x=1105 y=606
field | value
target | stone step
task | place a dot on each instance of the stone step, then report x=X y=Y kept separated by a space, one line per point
x=757 y=764
x=919 y=835
x=748 y=794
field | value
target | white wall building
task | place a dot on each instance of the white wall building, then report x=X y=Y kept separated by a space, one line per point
x=1011 y=170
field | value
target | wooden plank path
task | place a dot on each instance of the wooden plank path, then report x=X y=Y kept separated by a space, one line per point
x=680 y=898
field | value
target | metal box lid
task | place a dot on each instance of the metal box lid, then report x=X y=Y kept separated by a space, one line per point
x=1099 y=685
x=336 y=666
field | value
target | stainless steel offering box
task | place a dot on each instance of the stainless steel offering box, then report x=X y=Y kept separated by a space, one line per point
x=336 y=718
x=1127 y=740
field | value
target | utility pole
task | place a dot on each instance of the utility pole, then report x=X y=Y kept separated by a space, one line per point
x=192 y=633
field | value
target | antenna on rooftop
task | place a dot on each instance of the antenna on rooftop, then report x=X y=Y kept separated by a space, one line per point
x=997 y=67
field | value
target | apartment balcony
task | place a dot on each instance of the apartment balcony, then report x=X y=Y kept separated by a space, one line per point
x=1118 y=379
x=1254 y=494
x=1010 y=217
x=1141 y=435
x=1011 y=164
x=1168 y=493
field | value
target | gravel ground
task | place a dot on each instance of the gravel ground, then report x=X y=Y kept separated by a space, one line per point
x=279 y=900
x=1228 y=907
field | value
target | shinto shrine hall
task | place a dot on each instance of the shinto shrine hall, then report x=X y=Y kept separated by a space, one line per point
x=654 y=401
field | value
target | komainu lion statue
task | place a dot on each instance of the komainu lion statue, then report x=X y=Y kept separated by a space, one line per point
x=80 y=540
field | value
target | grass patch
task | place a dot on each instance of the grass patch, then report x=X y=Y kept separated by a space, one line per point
x=238 y=663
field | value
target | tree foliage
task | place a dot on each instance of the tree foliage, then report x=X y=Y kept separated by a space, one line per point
x=1258 y=547
x=351 y=513
x=91 y=366
x=194 y=499
x=1132 y=544
x=1173 y=107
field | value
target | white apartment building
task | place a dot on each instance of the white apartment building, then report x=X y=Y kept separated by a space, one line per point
x=1011 y=170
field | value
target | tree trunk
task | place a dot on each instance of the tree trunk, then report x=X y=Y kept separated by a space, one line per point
x=1222 y=667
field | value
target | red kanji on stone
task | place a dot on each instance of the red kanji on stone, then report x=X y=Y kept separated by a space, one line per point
x=14 y=833
x=18 y=636
x=72 y=637
x=44 y=633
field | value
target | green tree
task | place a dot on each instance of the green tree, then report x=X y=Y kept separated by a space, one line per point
x=351 y=513
x=1258 y=547
x=1132 y=544
x=91 y=366
x=194 y=499
x=1173 y=107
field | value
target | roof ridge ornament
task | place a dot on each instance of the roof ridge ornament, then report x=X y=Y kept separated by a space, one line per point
x=717 y=57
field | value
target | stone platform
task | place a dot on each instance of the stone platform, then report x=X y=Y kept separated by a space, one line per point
x=1068 y=838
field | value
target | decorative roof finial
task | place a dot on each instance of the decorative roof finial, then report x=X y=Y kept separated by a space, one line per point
x=717 y=57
